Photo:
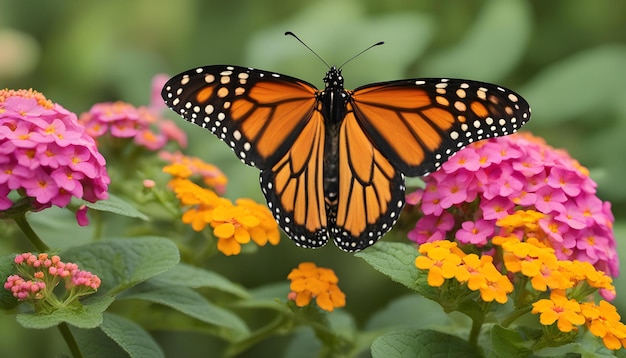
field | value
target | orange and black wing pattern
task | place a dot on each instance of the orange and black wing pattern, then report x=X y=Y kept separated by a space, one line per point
x=259 y=114
x=333 y=162
x=418 y=124
x=294 y=187
x=271 y=122
x=370 y=191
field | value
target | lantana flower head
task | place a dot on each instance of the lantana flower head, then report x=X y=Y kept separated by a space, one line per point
x=491 y=179
x=309 y=281
x=143 y=124
x=39 y=275
x=232 y=224
x=45 y=153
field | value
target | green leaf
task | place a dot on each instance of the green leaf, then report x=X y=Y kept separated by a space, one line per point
x=113 y=204
x=7 y=268
x=133 y=339
x=193 y=277
x=189 y=302
x=394 y=259
x=123 y=263
x=93 y=343
x=88 y=315
x=477 y=55
x=509 y=343
x=421 y=343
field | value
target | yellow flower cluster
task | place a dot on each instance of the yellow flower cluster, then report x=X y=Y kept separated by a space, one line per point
x=444 y=260
x=233 y=224
x=526 y=254
x=534 y=259
x=182 y=166
x=309 y=281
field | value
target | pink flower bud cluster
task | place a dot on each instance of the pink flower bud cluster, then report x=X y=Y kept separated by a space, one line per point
x=43 y=273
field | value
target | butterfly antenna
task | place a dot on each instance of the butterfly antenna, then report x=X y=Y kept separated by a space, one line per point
x=360 y=53
x=289 y=33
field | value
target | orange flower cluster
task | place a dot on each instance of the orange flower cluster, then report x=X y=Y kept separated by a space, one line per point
x=444 y=260
x=182 y=166
x=309 y=281
x=533 y=258
x=526 y=255
x=233 y=224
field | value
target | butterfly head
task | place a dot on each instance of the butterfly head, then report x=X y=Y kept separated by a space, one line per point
x=333 y=78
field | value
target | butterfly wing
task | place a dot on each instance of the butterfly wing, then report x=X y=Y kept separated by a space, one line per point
x=272 y=122
x=370 y=191
x=293 y=187
x=418 y=124
x=258 y=114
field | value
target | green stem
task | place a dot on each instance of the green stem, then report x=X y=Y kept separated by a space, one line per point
x=34 y=239
x=257 y=336
x=515 y=315
x=477 y=324
x=69 y=340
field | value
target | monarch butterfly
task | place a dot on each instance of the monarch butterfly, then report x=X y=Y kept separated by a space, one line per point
x=333 y=161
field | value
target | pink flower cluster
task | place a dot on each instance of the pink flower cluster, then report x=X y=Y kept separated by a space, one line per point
x=45 y=153
x=23 y=290
x=143 y=124
x=44 y=273
x=491 y=179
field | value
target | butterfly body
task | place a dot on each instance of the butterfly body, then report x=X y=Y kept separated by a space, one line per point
x=333 y=161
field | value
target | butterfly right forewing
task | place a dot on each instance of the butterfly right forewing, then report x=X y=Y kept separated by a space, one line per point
x=418 y=124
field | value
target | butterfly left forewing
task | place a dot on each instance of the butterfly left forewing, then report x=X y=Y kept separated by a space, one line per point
x=259 y=114
x=370 y=190
x=418 y=124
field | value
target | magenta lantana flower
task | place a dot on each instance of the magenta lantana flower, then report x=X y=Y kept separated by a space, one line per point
x=491 y=179
x=143 y=124
x=46 y=153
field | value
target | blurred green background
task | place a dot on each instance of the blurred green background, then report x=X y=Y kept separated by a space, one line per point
x=567 y=58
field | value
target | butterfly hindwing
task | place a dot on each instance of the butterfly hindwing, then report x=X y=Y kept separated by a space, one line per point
x=257 y=113
x=418 y=124
x=294 y=190
x=370 y=191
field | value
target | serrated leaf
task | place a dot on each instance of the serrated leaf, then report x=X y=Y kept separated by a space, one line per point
x=7 y=268
x=394 y=259
x=113 y=204
x=421 y=343
x=194 y=277
x=93 y=343
x=123 y=263
x=85 y=316
x=189 y=302
x=505 y=23
x=131 y=337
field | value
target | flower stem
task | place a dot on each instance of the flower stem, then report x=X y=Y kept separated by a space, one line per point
x=34 y=239
x=515 y=315
x=477 y=324
x=69 y=340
